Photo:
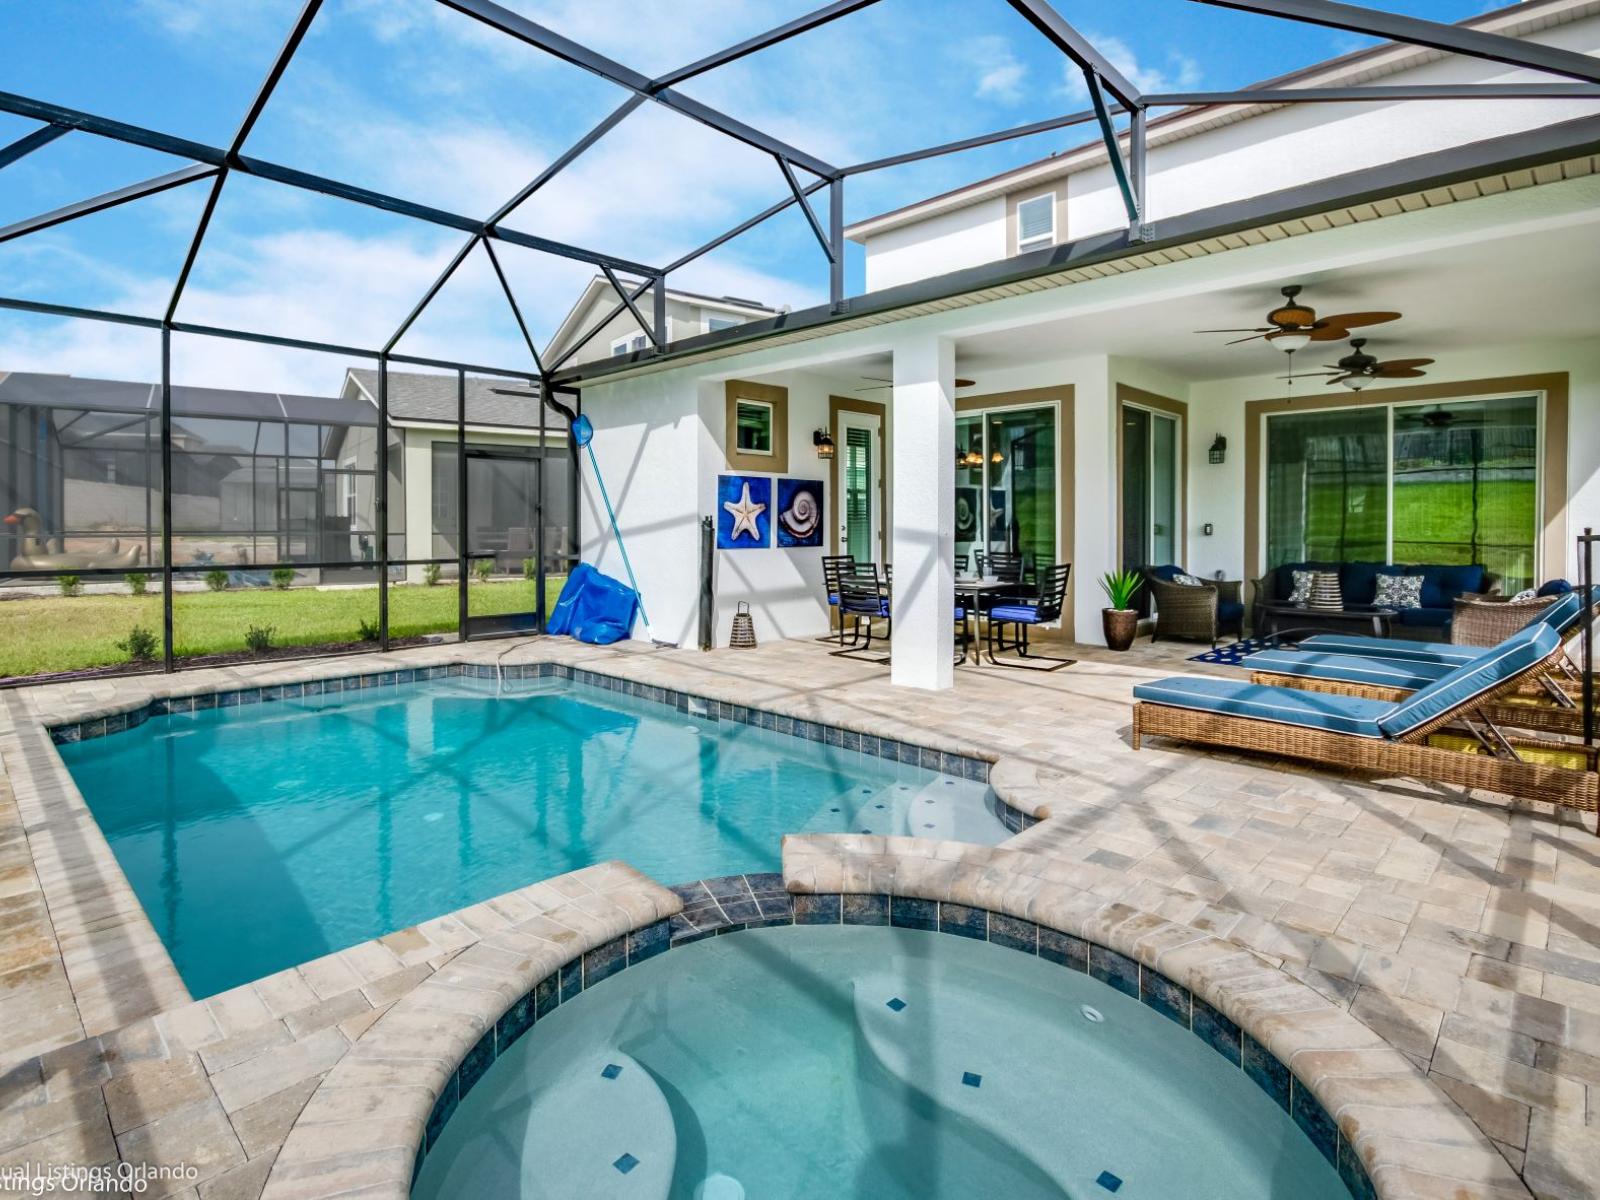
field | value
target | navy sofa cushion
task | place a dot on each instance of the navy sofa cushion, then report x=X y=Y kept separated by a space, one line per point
x=1167 y=573
x=1283 y=577
x=1441 y=584
x=1426 y=618
x=1229 y=610
x=1358 y=581
x=1555 y=587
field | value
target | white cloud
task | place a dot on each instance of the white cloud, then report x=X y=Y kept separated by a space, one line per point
x=1179 y=73
x=999 y=73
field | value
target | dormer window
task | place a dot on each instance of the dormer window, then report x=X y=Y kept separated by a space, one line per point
x=1036 y=222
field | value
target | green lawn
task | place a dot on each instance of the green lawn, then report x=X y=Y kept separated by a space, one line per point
x=60 y=633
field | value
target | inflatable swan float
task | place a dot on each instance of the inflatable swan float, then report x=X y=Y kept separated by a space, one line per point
x=38 y=556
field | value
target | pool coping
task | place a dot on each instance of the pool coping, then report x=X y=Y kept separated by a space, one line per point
x=119 y=969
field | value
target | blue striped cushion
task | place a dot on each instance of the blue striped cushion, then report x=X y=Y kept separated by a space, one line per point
x=1376 y=647
x=1518 y=652
x=1026 y=613
x=1348 y=668
x=1564 y=613
x=1289 y=706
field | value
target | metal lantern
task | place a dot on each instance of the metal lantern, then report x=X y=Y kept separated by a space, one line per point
x=743 y=636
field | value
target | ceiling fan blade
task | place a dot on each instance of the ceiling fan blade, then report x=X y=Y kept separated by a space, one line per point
x=1337 y=379
x=1410 y=373
x=1360 y=320
x=1253 y=337
x=966 y=382
x=1404 y=364
x=1329 y=333
x=1260 y=329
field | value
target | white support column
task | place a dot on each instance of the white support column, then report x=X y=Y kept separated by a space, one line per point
x=923 y=542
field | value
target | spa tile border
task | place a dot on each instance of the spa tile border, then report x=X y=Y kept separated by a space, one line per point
x=732 y=903
x=962 y=766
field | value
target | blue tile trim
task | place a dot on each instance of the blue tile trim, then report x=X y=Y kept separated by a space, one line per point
x=715 y=904
x=960 y=765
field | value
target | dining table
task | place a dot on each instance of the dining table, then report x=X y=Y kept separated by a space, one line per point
x=977 y=589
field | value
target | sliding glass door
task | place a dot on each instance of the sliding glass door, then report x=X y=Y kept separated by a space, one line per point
x=1006 y=483
x=1455 y=482
x=1150 y=484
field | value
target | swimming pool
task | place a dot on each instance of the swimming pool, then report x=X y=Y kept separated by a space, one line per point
x=803 y=1061
x=261 y=836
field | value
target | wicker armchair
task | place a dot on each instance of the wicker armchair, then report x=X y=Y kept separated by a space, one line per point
x=1488 y=620
x=1186 y=611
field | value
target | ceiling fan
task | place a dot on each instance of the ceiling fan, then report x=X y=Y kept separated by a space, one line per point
x=1358 y=369
x=1293 y=325
x=879 y=383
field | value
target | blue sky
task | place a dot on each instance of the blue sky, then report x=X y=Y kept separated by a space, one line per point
x=410 y=98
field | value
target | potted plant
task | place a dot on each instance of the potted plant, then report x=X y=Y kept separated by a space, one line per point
x=1121 y=620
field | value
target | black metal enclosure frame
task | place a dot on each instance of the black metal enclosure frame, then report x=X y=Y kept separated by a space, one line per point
x=1112 y=97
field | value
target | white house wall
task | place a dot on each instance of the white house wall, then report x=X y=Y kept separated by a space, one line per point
x=1279 y=149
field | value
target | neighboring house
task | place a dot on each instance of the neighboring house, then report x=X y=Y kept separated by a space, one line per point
x=1208 y=155
x=513 y=471
x=688 y=314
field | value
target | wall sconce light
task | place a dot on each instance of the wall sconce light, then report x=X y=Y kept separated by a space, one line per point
x=1219 y=450
x=823 y=441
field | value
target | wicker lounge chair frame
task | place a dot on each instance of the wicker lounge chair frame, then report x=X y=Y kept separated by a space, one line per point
x=1498 y=769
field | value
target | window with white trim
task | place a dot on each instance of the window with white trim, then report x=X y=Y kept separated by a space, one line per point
x=715 y=323
x=1036 y=222
x=627 y=344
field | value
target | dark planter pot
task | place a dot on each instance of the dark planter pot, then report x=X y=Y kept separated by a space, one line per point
x=1120 y=626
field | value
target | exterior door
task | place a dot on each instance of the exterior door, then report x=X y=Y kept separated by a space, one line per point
x=504 y=524
x=859 y=439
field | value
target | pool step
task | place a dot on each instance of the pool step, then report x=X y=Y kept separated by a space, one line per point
x=600 y=1128
x=940 y=808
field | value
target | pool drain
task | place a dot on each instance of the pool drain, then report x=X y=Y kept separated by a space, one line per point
x=1091 y=1014
x=720 y=1187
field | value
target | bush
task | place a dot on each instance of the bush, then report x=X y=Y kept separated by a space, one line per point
x=282 y=577
x=430 y=574
x=140 y=645
x=70 y=585
x=217 y=580
x=482 y=568
x=257 y=637
x=369 y=631
x=137 y=582
x=530 y=569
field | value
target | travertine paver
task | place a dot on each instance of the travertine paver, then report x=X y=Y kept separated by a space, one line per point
x=1461 y=928
x=216 y=1085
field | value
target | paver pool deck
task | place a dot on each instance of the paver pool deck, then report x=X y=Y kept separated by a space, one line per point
x=1461 y=929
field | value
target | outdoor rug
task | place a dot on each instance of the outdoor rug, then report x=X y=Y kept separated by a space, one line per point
x=1232 y=655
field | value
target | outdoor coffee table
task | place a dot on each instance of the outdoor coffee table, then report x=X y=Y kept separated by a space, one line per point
x=1292 y=622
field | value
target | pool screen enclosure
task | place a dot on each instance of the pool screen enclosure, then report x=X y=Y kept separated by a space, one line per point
x=148 y=441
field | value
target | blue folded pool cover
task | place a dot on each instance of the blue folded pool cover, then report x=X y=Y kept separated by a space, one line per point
x=593 y=608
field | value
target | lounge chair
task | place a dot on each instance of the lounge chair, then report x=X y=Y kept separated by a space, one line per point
x=1566 y=614
x=1544 y=705
x=1440 y=732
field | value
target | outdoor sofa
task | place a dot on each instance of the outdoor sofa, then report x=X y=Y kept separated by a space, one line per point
x=1358 y=585
x=1435 y=733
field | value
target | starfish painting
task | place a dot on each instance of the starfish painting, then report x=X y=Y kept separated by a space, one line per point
x=744 y=514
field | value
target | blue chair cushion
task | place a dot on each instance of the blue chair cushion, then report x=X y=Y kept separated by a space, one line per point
x=1229 y=611
x=1027 y=614
x=1555 y=587
x=833 y=598
x=1168 y=573
x=1442 y=584
x=1290 y=706
x=1358 y=581
x=1348 y=668
x=1425 y=617
x=1376 y=647
x=1517 y=653
x=961 y=613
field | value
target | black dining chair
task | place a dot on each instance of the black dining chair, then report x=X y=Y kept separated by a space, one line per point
x=1045 y=605
x=835 y=566
x=863 y=601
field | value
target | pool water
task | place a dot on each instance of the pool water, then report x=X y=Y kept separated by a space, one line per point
x=259 y=837
x=848 y=1061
